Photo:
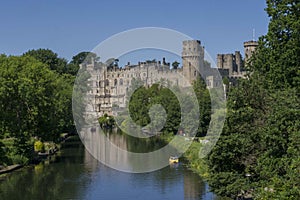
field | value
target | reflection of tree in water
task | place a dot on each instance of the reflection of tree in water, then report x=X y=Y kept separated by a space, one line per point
x=165 y=178
x=54 y=181
x=134 y=144
x=168 y=178
x=194 y=187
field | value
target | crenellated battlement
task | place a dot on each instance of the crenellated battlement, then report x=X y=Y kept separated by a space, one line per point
x=110 y=84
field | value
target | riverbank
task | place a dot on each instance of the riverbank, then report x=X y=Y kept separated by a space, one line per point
x=194 y=163
x=10 y=168
x=76 y=174
x=37 y=158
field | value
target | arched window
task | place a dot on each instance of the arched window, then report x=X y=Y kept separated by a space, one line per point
x=121 y=82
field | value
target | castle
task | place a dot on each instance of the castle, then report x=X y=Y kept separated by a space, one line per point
x=109 y=85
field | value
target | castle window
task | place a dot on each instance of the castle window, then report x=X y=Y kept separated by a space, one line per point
x=106 y=82
x=121 y=82
x=116 y=82
x=195 y=73
x=208 y=83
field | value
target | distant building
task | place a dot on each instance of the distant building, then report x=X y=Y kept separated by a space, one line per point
x=249 y=48
x=110 y=84
x=232 y=65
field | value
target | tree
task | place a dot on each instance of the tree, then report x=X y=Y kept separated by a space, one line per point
x=175 y=65
x=3 y=157
x=277 y=59
x=35 y=101
x=84 y=57
x=112 y=63
x=49 y=58
x=204 y=103
x=258 y=152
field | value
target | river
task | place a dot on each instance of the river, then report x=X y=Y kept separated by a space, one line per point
x=75 y=174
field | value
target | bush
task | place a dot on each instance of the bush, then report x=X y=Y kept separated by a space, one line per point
x=39 y=146
x=19 y=159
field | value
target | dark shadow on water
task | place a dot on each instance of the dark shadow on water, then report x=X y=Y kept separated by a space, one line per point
x=75 y=174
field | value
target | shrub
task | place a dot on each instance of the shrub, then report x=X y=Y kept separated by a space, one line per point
x=19 y=159
x=39 y=146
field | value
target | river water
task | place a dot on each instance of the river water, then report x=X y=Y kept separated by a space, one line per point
x=75 y=174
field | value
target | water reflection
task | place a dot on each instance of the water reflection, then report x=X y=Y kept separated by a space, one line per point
x=113 y=151
x=57 y=180
x=75 y=174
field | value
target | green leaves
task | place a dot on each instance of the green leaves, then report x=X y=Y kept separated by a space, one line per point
x=261 y=135
x=35 y=101
x=143 y=99
x=277 y=57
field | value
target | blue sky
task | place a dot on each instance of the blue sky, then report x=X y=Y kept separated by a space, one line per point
x=69 y=27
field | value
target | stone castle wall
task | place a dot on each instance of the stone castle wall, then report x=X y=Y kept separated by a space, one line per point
x=110 y=86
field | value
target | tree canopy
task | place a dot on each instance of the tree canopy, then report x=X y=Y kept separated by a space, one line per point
x=35 y=101
x=258 y=152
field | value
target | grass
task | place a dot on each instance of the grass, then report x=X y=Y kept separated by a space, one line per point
x=195 y=163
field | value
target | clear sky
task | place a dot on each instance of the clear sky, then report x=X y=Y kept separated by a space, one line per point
x=70 y=26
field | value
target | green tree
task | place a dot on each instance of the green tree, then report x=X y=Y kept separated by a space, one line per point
x=175 y=65
x=258 y=152
x=35 y=101
x=49 y=58
x=81 y=57
x=204 y=103
x=277 y=59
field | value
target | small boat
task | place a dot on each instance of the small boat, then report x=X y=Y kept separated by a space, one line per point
x=173 y=159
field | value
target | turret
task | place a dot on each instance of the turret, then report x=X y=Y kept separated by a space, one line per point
x=192 y=58
x=249 y=48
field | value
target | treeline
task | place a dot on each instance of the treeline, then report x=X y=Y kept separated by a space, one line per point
x=258 y=153
x=35 y=101
x=146 y=106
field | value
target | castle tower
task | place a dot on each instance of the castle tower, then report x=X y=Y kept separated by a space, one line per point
x=249 y=48
x=192 y=59
x=226 y=62
x=238 y=61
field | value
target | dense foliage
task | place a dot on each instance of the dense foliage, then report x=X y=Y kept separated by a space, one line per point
x=160 y=97
x=258 y=154
x=35 y=98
